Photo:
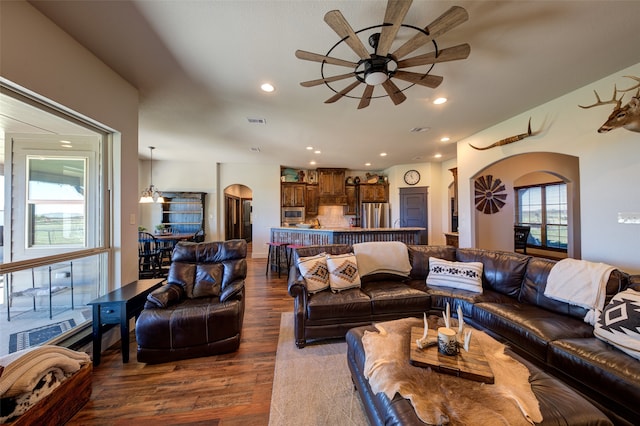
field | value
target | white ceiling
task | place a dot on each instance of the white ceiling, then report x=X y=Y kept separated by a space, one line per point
x=198 y=66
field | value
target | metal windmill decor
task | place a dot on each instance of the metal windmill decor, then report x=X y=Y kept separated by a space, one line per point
x=490 y=194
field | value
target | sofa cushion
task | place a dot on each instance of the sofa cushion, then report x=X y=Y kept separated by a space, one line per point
x=460 y=275
x=528 y=327
x=343 y=272
x=314 y=271
x=535 y=282
x=182 y=274
x=440 y=296
x=390 y=257
x=619 y=322
x=396 y=297
x=208 y=280
x=502 y=272
x=336 y=307
x=602 y=370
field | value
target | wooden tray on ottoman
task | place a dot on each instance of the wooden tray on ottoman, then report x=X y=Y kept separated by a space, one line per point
x=472 y=365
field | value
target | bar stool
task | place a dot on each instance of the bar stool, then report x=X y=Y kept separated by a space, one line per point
x=289 y=250
x=275 y=248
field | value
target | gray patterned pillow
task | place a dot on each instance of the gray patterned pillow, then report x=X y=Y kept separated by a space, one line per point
x=619 y=322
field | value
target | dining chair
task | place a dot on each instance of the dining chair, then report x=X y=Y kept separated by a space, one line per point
x=520 y=237
x=148 y=256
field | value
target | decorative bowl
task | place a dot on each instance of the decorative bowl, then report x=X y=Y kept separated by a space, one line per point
x=303 y=225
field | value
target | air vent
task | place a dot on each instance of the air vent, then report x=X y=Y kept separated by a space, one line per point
x=255 y=149
x=420 y=129
x=257 y=120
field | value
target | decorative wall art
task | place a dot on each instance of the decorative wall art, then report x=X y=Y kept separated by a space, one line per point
x=509 y=140
x=490 y=194
x=628 y=116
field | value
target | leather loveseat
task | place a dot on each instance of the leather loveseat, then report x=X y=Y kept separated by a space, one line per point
x=200 y=309
x=512 y=307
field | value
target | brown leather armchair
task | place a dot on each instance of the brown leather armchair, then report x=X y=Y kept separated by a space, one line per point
x=199 y=311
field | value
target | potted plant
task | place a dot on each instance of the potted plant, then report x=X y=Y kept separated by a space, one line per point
x=160 y=228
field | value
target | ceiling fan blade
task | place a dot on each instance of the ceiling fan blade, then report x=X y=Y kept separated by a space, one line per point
x=454 y=53
x=308 y=56
x=431 y=81
x=366 y=97
x=312 y=83
x=453 y=17
x=342 y=92
x=394 y=92
x=340 y=25
x=394 y=15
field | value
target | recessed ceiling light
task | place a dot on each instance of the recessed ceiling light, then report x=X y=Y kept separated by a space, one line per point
x=439 y=101
x=317 y=151
x=438 y=156
x=383 y=154
x=266 y=87
x=367 y=164
x=445 y=139
x=312 y=162
x=309 y=148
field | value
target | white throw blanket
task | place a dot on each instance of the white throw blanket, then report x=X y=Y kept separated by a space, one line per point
x=24 y=369
x=391 y=257
x=580 y=283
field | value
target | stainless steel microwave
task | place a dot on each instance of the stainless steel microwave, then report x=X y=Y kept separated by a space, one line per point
x=292 y=215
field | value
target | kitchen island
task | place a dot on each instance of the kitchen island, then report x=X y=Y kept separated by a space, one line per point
x=320 y=236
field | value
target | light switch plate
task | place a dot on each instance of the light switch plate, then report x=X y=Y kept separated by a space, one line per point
x=629 y=217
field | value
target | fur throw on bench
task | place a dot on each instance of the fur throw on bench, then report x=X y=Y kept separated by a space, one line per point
x=445 y=399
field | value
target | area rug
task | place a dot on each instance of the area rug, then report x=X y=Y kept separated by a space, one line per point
x=312 y=386
x=36 y=336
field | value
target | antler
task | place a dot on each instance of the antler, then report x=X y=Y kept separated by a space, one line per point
x=637 y=86
x=613 y=100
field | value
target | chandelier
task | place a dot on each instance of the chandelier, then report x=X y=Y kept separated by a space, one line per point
x=151 y=194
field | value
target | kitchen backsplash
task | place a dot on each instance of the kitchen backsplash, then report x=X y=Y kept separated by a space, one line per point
x=332 y=217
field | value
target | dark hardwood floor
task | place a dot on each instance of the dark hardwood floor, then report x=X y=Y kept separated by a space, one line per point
x=230 y=389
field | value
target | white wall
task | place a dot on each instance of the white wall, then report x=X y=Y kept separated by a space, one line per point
x=39 y=56
x=609 y=167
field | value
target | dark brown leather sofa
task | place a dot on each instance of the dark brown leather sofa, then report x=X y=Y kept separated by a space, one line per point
x=551 y=335
x=199 y=311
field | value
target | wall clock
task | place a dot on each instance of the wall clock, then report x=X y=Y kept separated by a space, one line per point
x=411 y=177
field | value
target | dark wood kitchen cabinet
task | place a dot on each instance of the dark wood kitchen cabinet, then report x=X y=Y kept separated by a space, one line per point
x=331 y=186
x=293 y=194
x=374 y=193
x=311 y=202
x=352 y=199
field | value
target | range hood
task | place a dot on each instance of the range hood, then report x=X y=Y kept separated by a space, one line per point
x=331 y=187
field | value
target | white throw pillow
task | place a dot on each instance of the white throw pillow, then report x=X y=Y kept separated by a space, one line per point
x=619 y=322
x=343 y=272
x=460 y=275
x=315 y=272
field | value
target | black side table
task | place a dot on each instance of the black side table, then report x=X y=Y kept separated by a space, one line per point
x=118 y=307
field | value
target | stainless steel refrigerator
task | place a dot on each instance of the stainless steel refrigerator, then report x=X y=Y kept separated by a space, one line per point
x=375 y=215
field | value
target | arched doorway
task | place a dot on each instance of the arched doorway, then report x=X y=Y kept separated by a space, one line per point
x=494 y=230
x=238 y=212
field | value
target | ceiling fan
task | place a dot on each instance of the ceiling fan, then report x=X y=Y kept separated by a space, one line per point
x=382 y=67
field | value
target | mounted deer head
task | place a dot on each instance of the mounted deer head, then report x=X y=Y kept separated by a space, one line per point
x=627 y=116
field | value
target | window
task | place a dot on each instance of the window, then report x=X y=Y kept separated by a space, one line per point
x=56 y=207
x=544 y=208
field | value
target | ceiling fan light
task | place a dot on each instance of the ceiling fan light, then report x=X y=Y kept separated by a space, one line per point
x=375 y=78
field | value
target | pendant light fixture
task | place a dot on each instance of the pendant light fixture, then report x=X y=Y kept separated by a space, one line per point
x=151 y=194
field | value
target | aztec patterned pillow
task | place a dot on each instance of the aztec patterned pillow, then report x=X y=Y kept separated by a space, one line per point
x=619 y=322
x=315 y=272
x=460 y=275
x=343 y=272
